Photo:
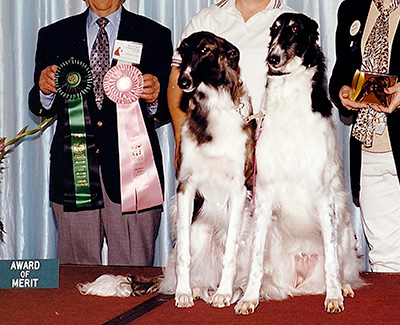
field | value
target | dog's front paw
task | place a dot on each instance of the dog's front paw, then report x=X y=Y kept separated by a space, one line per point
x=221 y=300
x=245 y=307
x=183 y=300
x=334 y=305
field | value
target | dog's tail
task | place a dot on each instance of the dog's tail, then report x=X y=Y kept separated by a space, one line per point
x=109 y=285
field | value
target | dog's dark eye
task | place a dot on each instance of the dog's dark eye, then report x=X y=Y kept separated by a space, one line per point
x=295 y=29
x=205 y=50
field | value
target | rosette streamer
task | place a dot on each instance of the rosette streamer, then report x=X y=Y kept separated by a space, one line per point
x=140 y=184
x=73 y=81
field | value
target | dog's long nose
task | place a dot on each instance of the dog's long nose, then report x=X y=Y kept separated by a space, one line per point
x=184 y=82
x=273 y=59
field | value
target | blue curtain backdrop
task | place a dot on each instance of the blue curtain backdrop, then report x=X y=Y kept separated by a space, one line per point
x=24 y=202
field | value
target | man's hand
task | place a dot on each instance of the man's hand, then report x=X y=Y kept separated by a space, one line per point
x=151 y=88
x=46 y=80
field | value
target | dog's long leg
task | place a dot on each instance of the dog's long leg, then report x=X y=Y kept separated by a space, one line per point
x=223 y=295
x=329 y=228
x=183 y=294
x=262 y=215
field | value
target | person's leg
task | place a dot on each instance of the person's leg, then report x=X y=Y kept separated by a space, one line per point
x=380 y=207
x=144 y=228
x=130 y=236
x=80 y=236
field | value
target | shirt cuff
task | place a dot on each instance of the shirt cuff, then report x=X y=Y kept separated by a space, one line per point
x=152 y=108
x=47 y=100
x=176 y=59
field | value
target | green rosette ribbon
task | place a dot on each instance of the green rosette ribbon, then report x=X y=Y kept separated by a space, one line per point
x=73 y=80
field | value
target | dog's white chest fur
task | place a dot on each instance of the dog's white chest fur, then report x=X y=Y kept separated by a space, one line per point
x=213 y=165
x=294 y=147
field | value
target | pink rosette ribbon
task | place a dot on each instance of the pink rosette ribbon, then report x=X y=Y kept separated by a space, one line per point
x=140 y=184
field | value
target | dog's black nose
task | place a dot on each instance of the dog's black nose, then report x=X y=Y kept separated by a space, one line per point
x=184 y=82
x=273 y=59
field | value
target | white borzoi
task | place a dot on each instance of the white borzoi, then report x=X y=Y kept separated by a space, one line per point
x=215 y=165
x=303 y=237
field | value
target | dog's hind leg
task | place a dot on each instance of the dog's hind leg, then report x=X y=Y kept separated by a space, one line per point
x=262 y=215
x=185 y=198
x=202 y=253
x=347 y=290
x=350 y=263
x=236 y=212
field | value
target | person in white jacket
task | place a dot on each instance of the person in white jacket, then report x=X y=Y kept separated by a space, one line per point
x=244 y=23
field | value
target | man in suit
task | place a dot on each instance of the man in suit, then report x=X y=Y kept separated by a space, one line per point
x=81 y=231
x=373 y=169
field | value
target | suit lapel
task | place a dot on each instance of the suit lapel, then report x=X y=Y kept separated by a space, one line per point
x=126 y=29
x=79 y=38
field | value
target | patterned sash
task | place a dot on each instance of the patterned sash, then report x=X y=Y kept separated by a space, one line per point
x=375 y=59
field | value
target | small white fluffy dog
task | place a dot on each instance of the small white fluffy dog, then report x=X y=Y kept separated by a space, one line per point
x=303 y=237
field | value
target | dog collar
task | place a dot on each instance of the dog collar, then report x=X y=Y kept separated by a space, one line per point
x=247 y=119
x=279 y=73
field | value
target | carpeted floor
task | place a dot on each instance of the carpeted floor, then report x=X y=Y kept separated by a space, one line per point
x=376 y=303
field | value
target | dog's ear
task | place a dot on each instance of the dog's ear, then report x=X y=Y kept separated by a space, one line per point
x=232 y=54
x=183 y=47
x=313 y=30
x=312 y=56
